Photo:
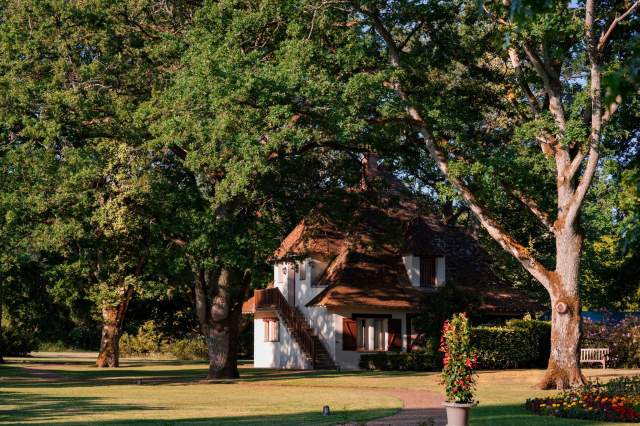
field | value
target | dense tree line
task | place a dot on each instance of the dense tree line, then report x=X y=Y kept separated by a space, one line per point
x=152 y=148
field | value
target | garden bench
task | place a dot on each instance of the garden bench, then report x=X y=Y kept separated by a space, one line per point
x=598 y=355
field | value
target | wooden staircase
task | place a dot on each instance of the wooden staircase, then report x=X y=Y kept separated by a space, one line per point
x=311 y=345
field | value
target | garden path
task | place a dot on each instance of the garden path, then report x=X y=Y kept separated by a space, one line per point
x=420 y=408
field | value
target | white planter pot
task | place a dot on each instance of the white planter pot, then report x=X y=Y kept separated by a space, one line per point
x=458 y=413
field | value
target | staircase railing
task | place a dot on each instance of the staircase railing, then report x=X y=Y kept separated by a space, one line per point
x=272 y=298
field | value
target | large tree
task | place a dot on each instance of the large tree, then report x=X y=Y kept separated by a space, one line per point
x=72 y=76
x=556 y=57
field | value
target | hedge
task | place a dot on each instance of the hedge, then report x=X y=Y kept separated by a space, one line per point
x=407 y=361
x=519 y=344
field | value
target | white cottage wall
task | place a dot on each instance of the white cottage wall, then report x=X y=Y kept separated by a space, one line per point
x=285 y=353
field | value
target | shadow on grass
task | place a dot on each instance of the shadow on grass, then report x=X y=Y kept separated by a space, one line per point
x=307 y=418
x=50 y=375
x=508 y=415
x=43 y=410
x=35 y=407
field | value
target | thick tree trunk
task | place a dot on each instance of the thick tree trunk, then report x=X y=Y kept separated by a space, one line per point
x=222 y=344
x=113 y=320
x=563 y=370
x=219 y=310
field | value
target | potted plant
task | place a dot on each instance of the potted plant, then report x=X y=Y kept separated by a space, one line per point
x=458 y=365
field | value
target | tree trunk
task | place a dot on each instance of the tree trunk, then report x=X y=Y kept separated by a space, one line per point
x=222 y=345
x=219 y=310
x=113 y=320
x=563 y=370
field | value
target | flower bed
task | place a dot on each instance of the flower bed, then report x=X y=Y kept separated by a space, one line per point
x=618 y=400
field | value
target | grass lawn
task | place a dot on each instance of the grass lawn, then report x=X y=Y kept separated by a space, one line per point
x=66 y=389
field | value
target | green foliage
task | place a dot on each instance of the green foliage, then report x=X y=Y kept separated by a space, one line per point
x=519 y=344
x=150 y=341
x=436 y=308
x=622 y=340
x=16 y=342
x=400 y=361
x=193 y=348
x=459 y=361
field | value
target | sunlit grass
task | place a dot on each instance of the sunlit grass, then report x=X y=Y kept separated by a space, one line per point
x=70 y=390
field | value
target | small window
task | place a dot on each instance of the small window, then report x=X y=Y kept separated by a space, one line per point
x=303 y=270
x=427 y=271
x=271 y=330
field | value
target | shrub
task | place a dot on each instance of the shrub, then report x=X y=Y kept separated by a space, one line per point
x=623 y=341
x=17 y=342
x=405 y=361
x=188 y=348
x=149 y=341
x=519 y=344
x=459 y=360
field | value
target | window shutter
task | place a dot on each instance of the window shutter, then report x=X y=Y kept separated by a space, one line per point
x=395 y=334
x=349 y=333
x=266 y=329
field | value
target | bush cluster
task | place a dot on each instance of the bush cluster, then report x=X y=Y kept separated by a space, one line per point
x=406 y=361
x=149 y=341
x=518 y=344
x=16 y=342
x=623 y=341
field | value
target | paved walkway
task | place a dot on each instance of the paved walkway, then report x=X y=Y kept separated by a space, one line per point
x=420 y=408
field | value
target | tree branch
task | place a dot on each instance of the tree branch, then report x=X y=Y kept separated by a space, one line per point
x=529 y=202
x=506 y=241
x=517 y=66
x=604 y=38
x=551 y=86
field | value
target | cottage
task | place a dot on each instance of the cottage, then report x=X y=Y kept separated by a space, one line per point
x=344 y=287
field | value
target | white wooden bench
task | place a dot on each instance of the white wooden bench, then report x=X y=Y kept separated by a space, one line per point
x=598 y=355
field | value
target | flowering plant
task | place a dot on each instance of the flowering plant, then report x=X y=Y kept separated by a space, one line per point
x=588 y=404
x=618 y=401
x=459 y=362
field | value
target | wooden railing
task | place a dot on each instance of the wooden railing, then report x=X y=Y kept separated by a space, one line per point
x=272 y=298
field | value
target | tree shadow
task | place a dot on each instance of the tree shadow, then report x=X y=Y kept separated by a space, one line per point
x=47 y=408
x=353 y=417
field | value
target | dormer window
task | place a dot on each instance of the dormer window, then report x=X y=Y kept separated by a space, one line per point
x=428 y=275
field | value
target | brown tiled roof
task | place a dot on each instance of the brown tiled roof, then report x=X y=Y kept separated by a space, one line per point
x=372 y=280
x=365 y=248
x=366 y=266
